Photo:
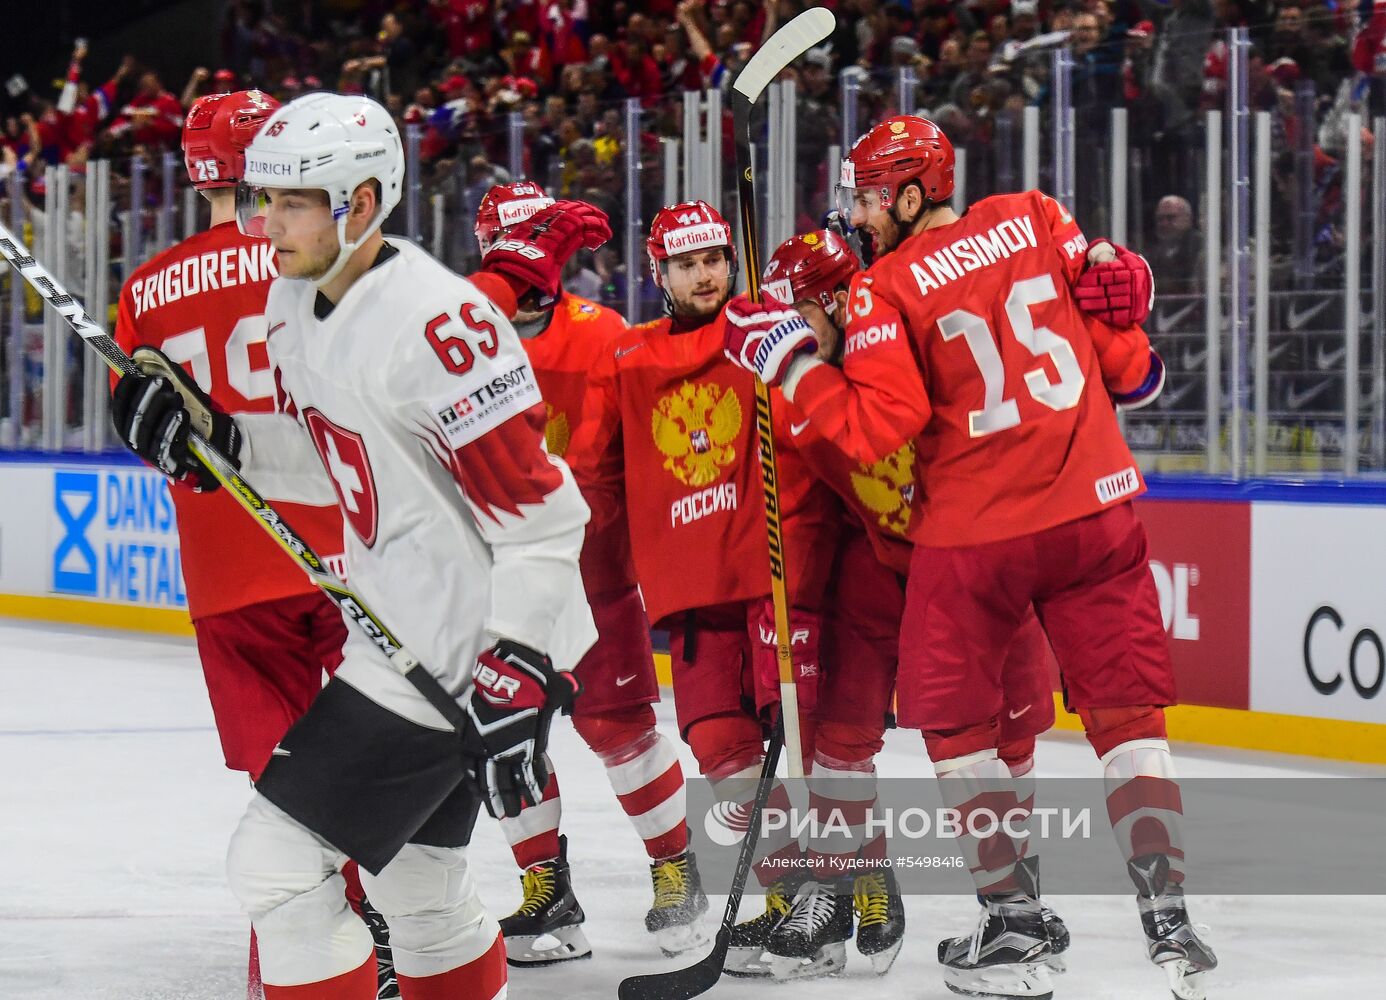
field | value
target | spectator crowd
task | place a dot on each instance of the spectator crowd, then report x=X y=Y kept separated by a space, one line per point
x=459 y=69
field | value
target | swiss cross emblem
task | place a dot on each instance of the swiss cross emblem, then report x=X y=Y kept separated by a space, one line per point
x=343 y=455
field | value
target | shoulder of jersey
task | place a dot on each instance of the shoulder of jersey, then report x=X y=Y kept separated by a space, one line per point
x=582 y=310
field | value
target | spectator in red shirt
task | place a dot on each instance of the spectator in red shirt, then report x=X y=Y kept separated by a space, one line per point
x=154 y=117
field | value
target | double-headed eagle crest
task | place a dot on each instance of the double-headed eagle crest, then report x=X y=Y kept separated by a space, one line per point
x=886 y=488
x=556 y=431
x=696 y=427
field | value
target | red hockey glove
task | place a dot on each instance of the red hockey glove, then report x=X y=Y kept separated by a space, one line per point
x=1117 y=287
x=764 y=338
x=1147 y=391
x=514 y=695
x=535 y=251
x=804 y=630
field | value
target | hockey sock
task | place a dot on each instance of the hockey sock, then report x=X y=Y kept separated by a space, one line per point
x=484 y=978
x=644 y=771
x=730 y=753
x=780 y=854
x=979 y=786
x=842 y=796
x=1019 y=758
x=533 y=835
x=358 y=984
x=1144 y=804
x=1143 y=800
x=354 y=893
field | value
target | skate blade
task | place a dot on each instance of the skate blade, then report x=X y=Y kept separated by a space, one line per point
x=883 y=960
x=674 y=941
x=1186 y=982
x=1057 y=964
x=1030 y=979
x=563 y=944
x=830 y=960
x=746 y=963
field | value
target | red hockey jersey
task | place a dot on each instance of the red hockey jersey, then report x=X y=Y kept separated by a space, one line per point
x=967 y=340
x=202 y=303
x=669 y=433
x=578 y=335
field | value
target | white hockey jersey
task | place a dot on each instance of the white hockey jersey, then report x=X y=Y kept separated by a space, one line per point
x=413 y=405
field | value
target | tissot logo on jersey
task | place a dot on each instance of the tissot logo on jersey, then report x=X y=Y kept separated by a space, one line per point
x=206 y=272
x=488 y=405
x=972 y=253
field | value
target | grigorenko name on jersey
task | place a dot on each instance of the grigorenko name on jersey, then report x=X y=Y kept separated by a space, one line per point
x=206 y=272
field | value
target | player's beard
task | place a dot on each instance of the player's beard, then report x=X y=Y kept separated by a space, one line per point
x=309 y=263
x=695 y=308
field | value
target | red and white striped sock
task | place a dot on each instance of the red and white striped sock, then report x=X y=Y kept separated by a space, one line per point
x=780 y=852
x=533 y=835
x=1144 y=804
x=980 y=783
x=648 y=781
x=841 y=796
x=1023 y=774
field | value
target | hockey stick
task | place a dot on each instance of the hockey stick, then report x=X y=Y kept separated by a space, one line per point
x=782 y=48
x=701 y=976
x=356 y=610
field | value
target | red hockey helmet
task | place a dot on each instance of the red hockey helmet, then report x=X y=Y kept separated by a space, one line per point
x=217 y=130
x=811 y=266
x=900 y=149
x=683 y=228
x=506 y=206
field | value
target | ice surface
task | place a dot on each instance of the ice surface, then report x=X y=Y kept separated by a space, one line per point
x=115 y=810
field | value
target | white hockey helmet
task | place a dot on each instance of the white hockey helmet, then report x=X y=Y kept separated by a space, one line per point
x=327 y=142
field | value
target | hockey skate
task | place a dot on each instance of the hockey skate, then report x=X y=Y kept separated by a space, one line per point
x=811 y=939
x=746 y=950
x=679 y=904
x=880 y=918
x=1174 y=943
x=387 y=986
x=547 y=926
x=1006 y=956
x=1053 y=924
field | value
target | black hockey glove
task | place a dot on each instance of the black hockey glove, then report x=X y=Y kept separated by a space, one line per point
x=155 y=412
x=514 y=695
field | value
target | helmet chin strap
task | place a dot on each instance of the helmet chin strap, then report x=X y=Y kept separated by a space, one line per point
x=346 y=249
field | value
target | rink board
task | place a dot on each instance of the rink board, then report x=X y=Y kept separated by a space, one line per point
x=1273 y=595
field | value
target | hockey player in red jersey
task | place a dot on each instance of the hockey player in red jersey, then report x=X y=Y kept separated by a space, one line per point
x=966 y=338
x=668 y=437
x=403 y=393
x=564 y=338
x=866 y=600
x=265 y=633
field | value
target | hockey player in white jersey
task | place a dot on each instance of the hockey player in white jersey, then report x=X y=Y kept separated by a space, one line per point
x=406 y=397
